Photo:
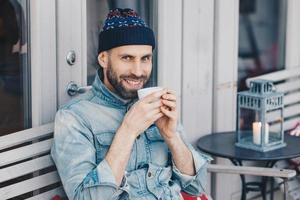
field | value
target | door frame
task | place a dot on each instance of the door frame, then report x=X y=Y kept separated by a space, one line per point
x=43 y=60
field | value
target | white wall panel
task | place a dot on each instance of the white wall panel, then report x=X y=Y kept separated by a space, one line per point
x=292 y=58
x=169 y=48
x=225 y=85
x=197 y=67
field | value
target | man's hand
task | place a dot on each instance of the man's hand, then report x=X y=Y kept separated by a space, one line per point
x=167 y=124
x=143 y=113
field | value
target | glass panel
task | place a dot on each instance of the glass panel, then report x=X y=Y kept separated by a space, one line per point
x=262 y=25
x=97 y=11
x=14 y=67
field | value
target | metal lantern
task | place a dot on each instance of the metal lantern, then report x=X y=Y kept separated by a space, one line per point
x=260 y=117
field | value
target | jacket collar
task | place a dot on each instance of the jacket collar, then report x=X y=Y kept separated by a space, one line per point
x=105 y=94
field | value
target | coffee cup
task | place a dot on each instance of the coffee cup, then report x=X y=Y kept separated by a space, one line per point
x=146 y=91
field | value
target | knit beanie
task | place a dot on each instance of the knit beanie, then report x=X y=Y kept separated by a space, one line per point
x=124 y=27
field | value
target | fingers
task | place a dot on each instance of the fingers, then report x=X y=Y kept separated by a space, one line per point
x=170 y=104
x=169 y=113
x=154 y=96
x=170 y=95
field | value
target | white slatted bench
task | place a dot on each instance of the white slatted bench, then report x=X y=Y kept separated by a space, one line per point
x=288 y=82
x=27 y=153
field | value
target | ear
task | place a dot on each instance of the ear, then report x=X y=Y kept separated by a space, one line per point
x=103 y=59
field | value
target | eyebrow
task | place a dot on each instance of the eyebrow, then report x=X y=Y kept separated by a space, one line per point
x=147 y=55
x=125 y=54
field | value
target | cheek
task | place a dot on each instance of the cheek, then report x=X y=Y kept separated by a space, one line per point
x=148 y=69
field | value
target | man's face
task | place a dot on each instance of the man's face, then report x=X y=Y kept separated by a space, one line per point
x=127 y=69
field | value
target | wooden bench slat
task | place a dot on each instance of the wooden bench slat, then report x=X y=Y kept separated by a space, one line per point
x=278 y=76
x=29 y=185
x=291 y=98
x=256 y=171
x=290 y=124
x=288 y=86
x=288 y=112
x=25 y=168
x=25 y=152
x=27 y=135
x=49 y=194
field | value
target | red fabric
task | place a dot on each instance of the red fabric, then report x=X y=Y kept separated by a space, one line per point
x=189 y=197
x=56 y=198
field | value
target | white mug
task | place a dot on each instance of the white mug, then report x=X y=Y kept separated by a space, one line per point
x=146 y=91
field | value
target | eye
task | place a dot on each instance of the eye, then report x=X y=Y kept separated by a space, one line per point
x=126 y=58
x=146 y=58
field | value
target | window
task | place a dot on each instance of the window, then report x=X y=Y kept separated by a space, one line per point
x=15 y=109
x=262 y=25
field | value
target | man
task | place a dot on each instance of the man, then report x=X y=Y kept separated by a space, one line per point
x=108 y=144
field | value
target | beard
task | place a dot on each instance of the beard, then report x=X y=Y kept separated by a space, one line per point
x=120 y=89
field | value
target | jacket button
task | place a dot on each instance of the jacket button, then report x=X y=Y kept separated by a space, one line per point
x=149 y=174
x=138 y=137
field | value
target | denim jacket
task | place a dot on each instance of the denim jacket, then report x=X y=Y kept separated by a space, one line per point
x=84 y=130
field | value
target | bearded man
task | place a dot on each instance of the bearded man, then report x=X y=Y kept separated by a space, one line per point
x=110 y=145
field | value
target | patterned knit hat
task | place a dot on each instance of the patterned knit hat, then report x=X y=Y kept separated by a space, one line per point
x=124 y=27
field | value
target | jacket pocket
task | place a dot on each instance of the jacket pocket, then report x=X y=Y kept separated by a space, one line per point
x=103 y=142
x=158 y=149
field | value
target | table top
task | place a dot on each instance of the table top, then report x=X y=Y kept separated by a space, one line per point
x=223 y=145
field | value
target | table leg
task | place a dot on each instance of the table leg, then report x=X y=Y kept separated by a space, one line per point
x=255 y=186
x=270 y=164
x=244 y=186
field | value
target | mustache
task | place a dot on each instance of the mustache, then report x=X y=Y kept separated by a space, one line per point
x=134 y=77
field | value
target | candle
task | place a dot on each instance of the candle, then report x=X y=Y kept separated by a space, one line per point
x=256 y=128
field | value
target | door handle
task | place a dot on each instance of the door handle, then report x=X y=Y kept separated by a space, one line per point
x=73 y=89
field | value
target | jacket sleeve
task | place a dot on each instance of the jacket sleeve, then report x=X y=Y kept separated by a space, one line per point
x=194 y=185
x=73 y=152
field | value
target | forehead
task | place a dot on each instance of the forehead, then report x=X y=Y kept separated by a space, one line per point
x=134 y=50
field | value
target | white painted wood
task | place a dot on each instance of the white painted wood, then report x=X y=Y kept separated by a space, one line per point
x=291 y=98
x=226 y=25
x=43 y=60
x=225 y=66
x=24 y=168
x=292 y=48
x=25 y=152
x=289 y=86
x=256 y=171
x=288 y=124
x=288 y=112
x=29 y=185
x=26 y=135
x=169 y=46
x=71 y=35
x=278 y=75
x=197 y=63
x=50 y=194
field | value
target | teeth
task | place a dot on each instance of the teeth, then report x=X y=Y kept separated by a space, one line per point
x=132 y=82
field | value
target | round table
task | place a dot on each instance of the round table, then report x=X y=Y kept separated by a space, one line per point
x=222 y=144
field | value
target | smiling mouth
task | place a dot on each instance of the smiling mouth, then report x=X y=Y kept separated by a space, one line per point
x=133 y=84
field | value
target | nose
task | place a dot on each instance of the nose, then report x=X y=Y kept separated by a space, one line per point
x=137 y=69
